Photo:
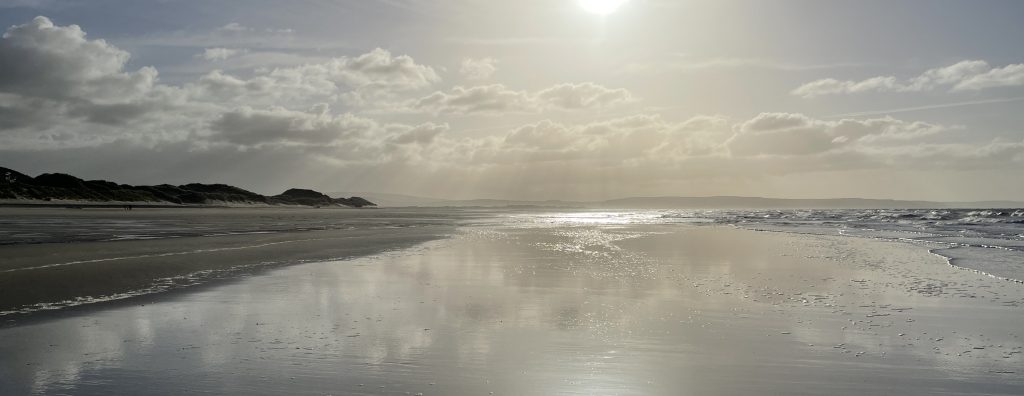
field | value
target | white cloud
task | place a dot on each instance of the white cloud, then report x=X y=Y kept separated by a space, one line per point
x=968 y=75
x=356 y=80
x=945 y=76
x=831 y=86
x=58 y=69
x=497 y=98
x=494 y=98
x=219 y=54
x=478 y=69
x=379 y=68
x=1008 y=76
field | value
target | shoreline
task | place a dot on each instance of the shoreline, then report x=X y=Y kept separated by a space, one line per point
x=49 y=286
x=48 y=277
x=94 y=257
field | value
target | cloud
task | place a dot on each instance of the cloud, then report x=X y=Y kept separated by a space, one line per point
x=784 y=134
x=494 y=98
x=478 y=69
x=41 y=60
x=777 y=139
x=968 y=75
x=218 y=54
x=59 y=89
x=831 y=86
x=611 y=141
x=378 y=68
x=422 y=134
x=235 y=28
x=246 y=126
x=59 y=69
x=69 y=99
x=497 y=98
x=583 y=96
x=1008 y=76
x=359 y=81
x=341 y=140
x=19 y=112
x=373 y=72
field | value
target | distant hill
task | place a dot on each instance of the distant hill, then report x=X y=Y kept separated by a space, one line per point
x=15 y=185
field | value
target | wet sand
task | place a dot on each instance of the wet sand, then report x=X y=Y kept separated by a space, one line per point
x=557 y=309
x=84 y=256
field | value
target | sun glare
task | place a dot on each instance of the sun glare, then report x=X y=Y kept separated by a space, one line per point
x=601 y=7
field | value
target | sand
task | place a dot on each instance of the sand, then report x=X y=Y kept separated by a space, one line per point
x=80 y=256
x=555 y=309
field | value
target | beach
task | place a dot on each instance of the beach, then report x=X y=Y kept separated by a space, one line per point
x=54 y=258
x=514 y=302
x=573 y=197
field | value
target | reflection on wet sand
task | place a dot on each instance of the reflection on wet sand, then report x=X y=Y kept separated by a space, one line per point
x=575 y=308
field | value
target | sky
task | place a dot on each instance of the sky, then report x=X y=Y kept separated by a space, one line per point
x=531 y=99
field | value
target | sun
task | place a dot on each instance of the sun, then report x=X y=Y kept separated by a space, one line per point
x=601 y=7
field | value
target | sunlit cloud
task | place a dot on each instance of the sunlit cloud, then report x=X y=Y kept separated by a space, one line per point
x=498 y=99
x=968 y=75
x=219 y=54
x=478 y=69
